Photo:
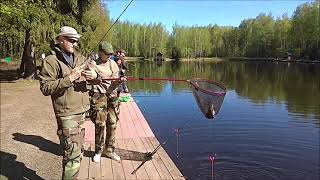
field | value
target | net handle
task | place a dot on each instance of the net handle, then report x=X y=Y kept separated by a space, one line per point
x=155 y=79
x=178 y=80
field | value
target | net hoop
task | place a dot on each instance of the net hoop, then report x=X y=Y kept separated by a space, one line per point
x=214 y=93
x=209 y=95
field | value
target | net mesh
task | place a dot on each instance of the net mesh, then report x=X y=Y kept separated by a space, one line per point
x=209 y=96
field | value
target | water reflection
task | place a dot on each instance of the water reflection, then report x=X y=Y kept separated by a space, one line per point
x=297 y=85
x=267 y=127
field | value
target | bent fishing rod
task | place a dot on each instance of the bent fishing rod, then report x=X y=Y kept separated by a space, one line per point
x=148 y=157
x=193 y=83
x=85 y=63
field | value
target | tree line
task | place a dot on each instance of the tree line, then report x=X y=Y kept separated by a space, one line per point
x=263 y=36
x=29 y=27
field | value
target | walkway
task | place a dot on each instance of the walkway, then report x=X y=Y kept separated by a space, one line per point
x=134 y=139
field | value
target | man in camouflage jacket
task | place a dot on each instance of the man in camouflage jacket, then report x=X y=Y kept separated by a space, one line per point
x=61 y=79
x=104 y=101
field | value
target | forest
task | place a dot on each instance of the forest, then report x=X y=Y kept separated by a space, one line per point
x=29 y=27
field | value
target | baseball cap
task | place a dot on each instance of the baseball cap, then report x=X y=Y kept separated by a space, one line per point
x=106 y=47
x=69 y=32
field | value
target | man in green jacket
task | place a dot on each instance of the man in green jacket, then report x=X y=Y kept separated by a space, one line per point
x=61 y=78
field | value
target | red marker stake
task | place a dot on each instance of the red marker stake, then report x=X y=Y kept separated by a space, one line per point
x=176 y=130
x=212 y=159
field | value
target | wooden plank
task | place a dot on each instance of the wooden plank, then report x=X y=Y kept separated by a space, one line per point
x=118 y=130
x=174 y=171
x=84 y=167
x=136 y=122
x=117 y=168
x=123 y=123
x=141 y=119
x=157 y=161
x=134 y=154
x=126 y=164
x=134 y=138
x=106 y=168
x=134 y=111
x=149 y=166
x=94 y=168
x=130 y=131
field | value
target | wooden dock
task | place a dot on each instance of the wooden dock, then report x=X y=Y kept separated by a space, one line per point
x=134 y=139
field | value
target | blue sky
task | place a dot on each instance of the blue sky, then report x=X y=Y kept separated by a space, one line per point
x=201 y=12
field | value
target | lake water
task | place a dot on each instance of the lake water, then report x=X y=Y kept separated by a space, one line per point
x=268 y=126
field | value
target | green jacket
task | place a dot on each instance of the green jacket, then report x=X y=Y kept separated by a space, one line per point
x=67 y=98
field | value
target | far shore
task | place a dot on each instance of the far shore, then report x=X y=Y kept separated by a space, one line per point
x=15 y=63
x=169 y=59
x=217 y=59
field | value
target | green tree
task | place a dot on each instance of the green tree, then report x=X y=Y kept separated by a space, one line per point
x=305 y=29
x=27 y=16
x=29 y=27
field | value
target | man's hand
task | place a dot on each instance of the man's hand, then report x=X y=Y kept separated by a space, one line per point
x=75 y=74
x=90 y=74
x=123 y=79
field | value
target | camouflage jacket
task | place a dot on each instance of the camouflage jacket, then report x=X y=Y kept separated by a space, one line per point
x=67 y=98
x=108 y=69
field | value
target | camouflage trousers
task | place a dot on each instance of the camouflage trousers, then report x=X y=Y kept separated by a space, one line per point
x=103 y=115
x=71 y=135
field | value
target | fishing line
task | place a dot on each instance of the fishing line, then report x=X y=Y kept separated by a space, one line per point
x=111 y=26
x=101 y=39
x=175 y=136
x=209 y=96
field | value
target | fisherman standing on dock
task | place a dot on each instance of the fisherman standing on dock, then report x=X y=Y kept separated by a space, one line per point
x=104 y=101
x=60 y=77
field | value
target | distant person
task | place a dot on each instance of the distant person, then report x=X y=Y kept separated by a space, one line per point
x=60 y=77
x=104 y=102
x=122 y=70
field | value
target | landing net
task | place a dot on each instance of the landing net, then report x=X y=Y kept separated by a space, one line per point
x=209 y=96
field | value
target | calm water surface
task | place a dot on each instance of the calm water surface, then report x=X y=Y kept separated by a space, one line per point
x=267 y=127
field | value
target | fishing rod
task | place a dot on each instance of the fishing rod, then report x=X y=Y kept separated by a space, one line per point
x=148 y=157
x=101 y=39
x=194 y=82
